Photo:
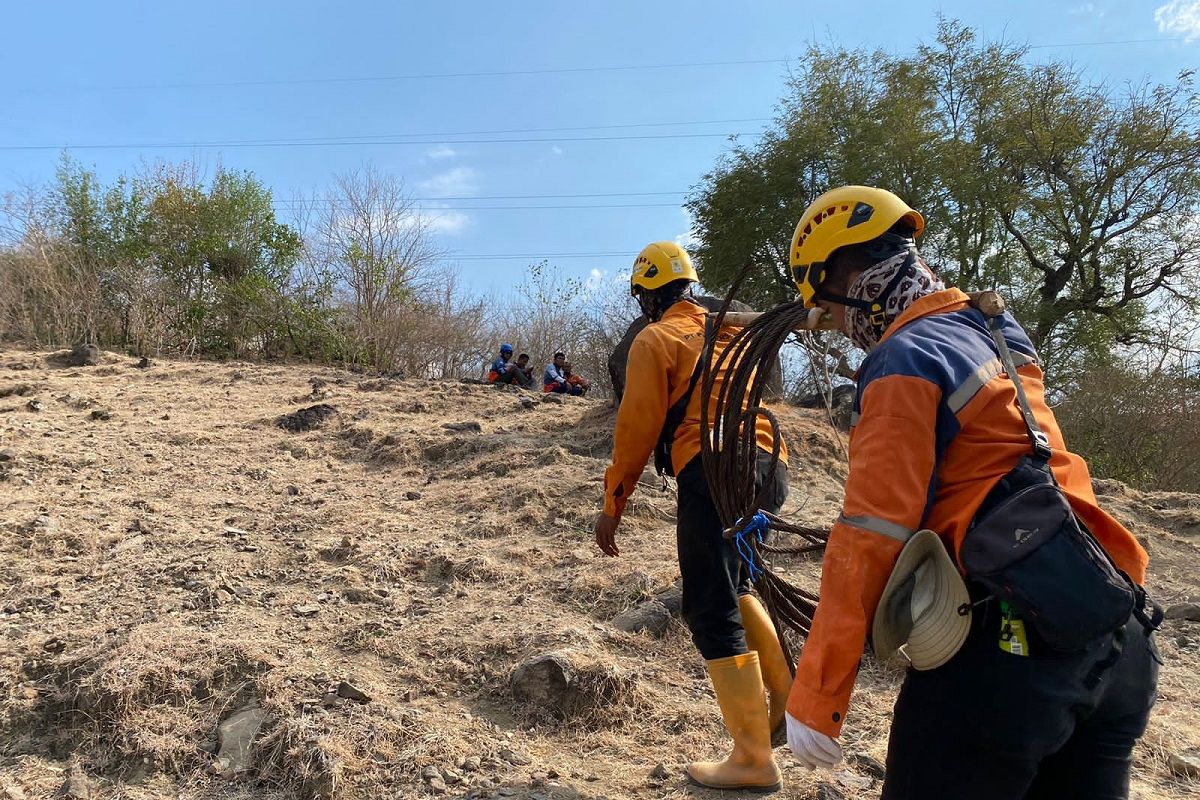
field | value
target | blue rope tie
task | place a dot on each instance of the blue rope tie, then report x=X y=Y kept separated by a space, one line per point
x=757 y=526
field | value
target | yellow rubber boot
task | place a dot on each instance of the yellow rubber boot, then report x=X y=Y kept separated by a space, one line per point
x=760 y=636
x=751 y=766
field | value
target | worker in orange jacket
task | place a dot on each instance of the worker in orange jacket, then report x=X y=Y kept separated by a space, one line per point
x=729 y=626
x=936 y=426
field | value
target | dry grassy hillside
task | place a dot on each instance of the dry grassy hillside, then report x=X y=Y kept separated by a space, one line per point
x=362 y=593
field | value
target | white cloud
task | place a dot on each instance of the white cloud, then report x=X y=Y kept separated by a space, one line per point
x=454 y=182
x=442 y=151
x=556 y=150
x=448 y=222
x=1180 y=17
x=1088 y=10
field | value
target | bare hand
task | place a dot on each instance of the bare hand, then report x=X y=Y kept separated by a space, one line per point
x=606 y=534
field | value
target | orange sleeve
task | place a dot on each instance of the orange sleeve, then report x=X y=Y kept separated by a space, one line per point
x=892 y=459
x=640 y=419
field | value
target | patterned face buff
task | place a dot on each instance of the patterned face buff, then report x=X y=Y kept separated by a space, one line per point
x=871 y=283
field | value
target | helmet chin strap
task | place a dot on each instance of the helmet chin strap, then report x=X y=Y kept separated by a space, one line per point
x=875 y=308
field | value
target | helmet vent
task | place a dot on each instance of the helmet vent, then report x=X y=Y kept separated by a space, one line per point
x=862 y=212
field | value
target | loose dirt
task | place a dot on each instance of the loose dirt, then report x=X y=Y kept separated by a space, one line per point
x=364 y=581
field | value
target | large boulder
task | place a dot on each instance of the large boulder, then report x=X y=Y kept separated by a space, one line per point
x=573 y=686
x=620 y=355
x=84 y=355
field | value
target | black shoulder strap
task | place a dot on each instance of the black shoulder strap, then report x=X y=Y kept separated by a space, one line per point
x=1037 y=438
x=675 y=415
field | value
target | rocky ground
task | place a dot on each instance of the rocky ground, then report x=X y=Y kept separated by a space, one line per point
x=393 y=595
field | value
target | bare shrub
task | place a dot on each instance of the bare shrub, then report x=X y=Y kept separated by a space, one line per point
x=1138 y=426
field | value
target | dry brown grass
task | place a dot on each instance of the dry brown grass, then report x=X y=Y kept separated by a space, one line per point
x=162 y=569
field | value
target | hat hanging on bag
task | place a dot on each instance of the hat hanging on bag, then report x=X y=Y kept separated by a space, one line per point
x=920 y=614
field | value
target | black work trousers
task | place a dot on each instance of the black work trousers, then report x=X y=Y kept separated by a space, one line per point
x=990 y=725
x=713 y=573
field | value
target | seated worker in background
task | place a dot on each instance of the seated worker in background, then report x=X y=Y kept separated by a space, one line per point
x=526 y=370
x=555 y=379
x=575 y=380
x=504 y=371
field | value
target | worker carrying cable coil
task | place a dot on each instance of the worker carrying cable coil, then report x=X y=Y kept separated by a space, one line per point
x=970 y=545
x=660 y=415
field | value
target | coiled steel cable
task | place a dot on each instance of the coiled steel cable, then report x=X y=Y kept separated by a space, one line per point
x=730 y=452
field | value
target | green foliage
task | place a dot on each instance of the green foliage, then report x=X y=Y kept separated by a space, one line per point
x=1078 y=201
x=166 y=260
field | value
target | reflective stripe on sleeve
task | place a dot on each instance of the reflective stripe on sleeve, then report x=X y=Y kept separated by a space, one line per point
x=881 y=526
x=978 y=379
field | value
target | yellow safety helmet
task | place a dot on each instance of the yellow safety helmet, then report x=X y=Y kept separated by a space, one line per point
x=658 y=264
x=840 y=217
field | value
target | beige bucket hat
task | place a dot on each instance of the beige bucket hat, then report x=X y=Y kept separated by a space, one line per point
x=920 y=615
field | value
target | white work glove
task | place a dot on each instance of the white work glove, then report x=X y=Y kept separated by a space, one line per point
x=812 y=748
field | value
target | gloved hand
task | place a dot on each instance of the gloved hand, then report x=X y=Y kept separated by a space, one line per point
x=812 y=748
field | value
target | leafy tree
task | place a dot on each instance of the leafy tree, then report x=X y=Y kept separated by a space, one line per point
x=1077 y=200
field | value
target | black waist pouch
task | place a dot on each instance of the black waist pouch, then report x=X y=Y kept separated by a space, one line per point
x=1027 y=547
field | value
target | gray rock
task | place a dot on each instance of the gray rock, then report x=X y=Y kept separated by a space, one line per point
x=351 y=692
x=1188 y=611
x=235 y=737
x=470 y=764
x=528 y=403
x=306 y=419
x=660 y=772
x=464 y=427
x=672 y=598
x=868 y=766
x=8 y=454
x=1185 y=764
x=412 y=495
x=75 y=785
x=84 y=355
x=430 y=772
x=101 y=414
x=543 y=681
x=553 y=398
x=515 y=757
x=651 y=616
x=437 y=785
x=827 y=791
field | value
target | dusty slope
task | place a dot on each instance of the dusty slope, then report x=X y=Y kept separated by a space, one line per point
x=165 y=567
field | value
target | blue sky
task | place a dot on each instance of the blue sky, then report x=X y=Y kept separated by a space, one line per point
x=134 y=74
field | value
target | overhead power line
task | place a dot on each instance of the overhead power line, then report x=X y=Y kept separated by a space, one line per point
x=267 y=144
x=434 y=209
x=673 y=123
x=419 y=76
x=518 y=256
x=321 y=203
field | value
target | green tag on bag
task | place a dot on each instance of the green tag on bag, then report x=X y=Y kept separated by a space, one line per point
x=1012 y=632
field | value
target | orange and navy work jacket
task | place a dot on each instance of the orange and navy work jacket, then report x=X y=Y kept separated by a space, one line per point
x=661 y=361
x=936 y=425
